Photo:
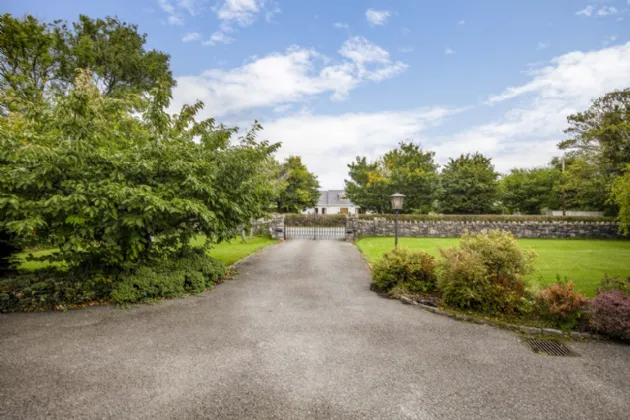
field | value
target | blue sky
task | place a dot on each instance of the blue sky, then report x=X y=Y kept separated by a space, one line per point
x=335 y=79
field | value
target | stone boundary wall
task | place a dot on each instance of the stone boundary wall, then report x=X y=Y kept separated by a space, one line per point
x=454 y=229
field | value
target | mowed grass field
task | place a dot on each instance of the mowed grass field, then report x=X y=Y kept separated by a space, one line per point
x=228 y=253
x=584 y=261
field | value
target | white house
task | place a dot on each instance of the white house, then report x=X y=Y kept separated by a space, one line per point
x=333 y=202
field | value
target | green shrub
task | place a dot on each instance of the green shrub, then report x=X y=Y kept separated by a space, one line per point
x=486 y=273
x=562 y=305
x=51 y=288
x=487 y=218
x=614 y=283
x=8 y=250
x=402 y=270
x=191 y=273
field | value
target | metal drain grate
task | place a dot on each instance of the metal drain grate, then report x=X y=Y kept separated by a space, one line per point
x=549 y=347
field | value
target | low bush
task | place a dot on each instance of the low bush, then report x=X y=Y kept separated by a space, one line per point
x=8 y=251
x=191 y=273
x=486 y=218
x=614 y=283
x=403 y=271
x=562 y=305
x=486 y=273
x=610 y=314
x=307 y=220
x=51 y=288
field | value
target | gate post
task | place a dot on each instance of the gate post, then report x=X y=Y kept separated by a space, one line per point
x=277 y=227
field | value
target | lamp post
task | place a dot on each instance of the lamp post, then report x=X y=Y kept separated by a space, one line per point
x=397 y=204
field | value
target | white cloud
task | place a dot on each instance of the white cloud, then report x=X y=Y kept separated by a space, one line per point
x=365 y=55
x=407 y=49
x=191 y=36
x=448 y=51
x=327 y=143
x=191 y=6
x=218 y=37
x=543 y=45
x=461 y=22
x=241 y=13
x=339 y=25
x=294 y=75
x=526 y=134
x=166 y=6
x=607 y=10
x=174 y=17
x=175 y=20
x=610 y=39
x=377 y=17
x=602 y=11
x=587 y=11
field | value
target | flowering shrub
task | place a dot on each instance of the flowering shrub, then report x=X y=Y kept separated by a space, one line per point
x=402 y=270
x=562 y=305
x=486 y=273
x=610 y=314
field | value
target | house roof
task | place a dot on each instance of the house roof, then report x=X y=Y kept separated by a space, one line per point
x=333 y=198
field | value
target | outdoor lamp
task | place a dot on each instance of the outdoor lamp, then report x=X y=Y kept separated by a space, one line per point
x=397 y=201
x=397 y=204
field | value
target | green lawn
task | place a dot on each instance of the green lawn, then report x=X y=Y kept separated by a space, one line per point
x=228 y=253
x=583 y=261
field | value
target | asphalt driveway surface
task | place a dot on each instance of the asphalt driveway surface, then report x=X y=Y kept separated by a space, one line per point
x=297 y=334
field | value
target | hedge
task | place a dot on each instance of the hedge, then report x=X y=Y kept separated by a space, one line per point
x=497 y=218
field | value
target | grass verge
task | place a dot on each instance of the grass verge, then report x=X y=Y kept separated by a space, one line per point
x=585 y=261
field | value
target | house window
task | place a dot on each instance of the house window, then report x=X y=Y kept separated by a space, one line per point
x=316 y=210
x=323 y=210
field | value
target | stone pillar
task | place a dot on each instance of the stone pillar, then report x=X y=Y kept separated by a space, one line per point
x=276 y=227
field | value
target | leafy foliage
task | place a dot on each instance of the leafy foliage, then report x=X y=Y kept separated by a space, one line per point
x=487 y=218
x=324 y=220
x=111 y=190
x=603 y=132
x=407 y=170
x=51 y=288
x=486 y=273
x=301 y=188
x=8 y=248
x=530 y=191
x=404 y=271
x=610 y=314
x=584 y=185
x=614 y=283
x=620 y=195
x=39 y=58
x=562 y=305
x=468 y=185
x=190 y=273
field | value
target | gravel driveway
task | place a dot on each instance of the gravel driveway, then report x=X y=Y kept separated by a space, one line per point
x=297 y=334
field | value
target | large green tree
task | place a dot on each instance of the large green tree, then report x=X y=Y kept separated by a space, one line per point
x=300 y=188
x=583 y=184
x=620 y=196
x=468 y=185
x=601 y=134
x=112 y=190
x=407 y=170
x=529 y=191
x=39 y=57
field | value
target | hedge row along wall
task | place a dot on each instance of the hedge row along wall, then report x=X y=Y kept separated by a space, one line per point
x=454 y=226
